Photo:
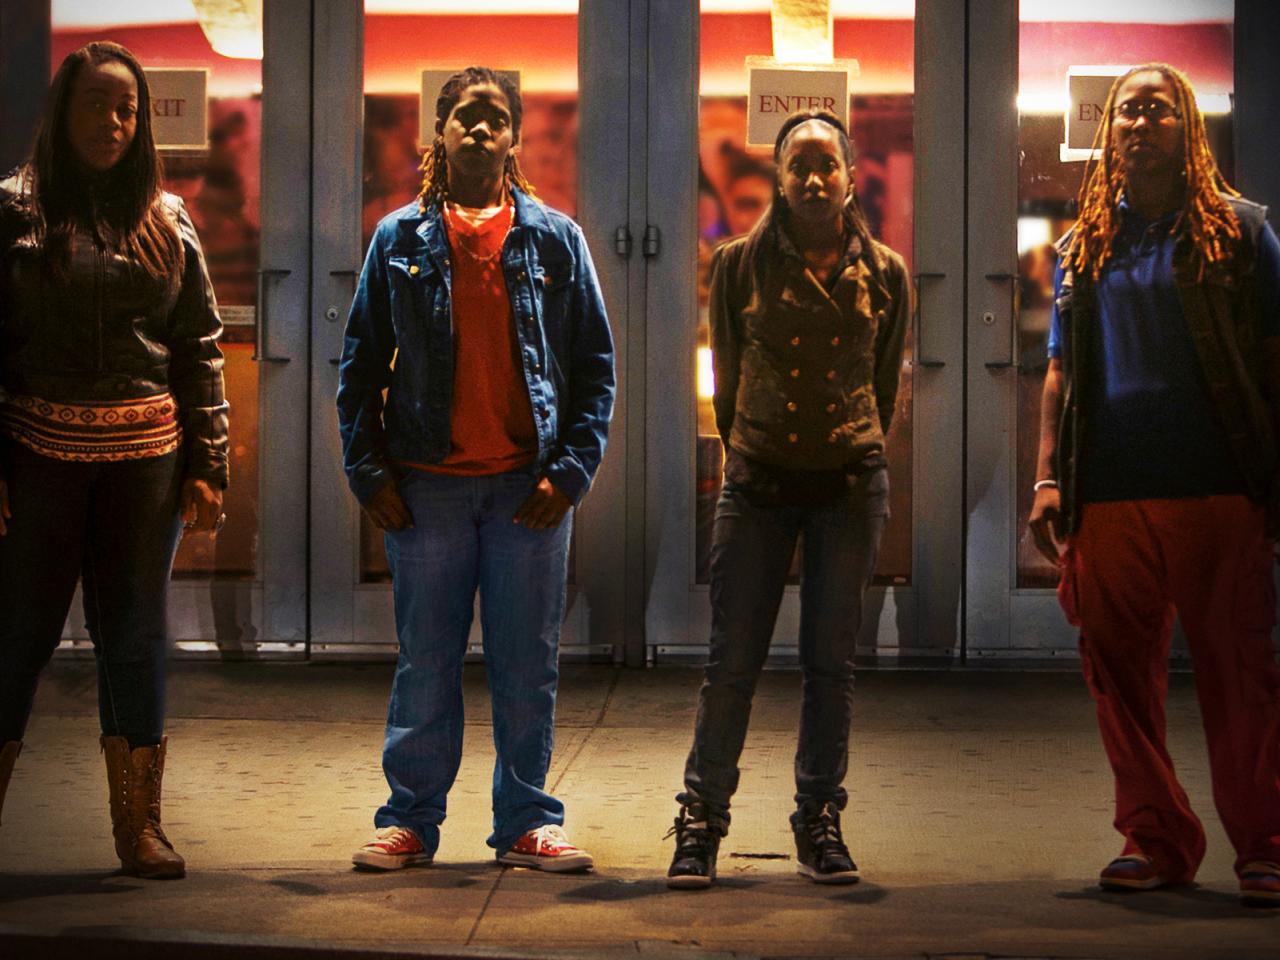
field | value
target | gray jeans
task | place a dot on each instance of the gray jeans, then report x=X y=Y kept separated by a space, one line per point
x=752 y=546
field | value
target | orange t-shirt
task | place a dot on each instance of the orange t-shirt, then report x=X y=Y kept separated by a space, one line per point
x=491 y=425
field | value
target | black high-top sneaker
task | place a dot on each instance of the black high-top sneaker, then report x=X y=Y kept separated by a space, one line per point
x=697 y=834
x=820 y=851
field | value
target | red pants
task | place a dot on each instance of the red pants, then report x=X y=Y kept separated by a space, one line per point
x=1131 y=566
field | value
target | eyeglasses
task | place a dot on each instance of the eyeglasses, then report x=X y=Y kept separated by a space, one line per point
x=1156 y=111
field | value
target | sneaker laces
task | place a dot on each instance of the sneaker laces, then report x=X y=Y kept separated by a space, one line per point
x=824 y=831
x=549 y=835
x=692 y=836
x=395 y=834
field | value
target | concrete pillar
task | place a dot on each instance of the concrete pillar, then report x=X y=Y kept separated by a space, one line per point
x=1257 y=103
x=24 y=76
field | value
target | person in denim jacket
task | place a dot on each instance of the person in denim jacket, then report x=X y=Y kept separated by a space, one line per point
x=808 y=320
x=479 y=314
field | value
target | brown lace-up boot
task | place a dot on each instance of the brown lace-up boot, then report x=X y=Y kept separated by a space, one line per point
x=134 y=778
x=8 y=754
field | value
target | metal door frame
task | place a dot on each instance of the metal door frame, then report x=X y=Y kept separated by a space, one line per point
x=921 y=620
x=352 y=619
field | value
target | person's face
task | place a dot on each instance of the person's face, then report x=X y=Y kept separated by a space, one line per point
x=477 y=133
x=747 y=199
x=1146 y=131
x=812 y=173
x=102 y=116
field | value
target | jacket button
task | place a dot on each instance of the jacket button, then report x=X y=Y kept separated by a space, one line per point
x=792 y=406
x=794 y=374
x=413 y=270
x=795 y=341
x=522 y=276
x=831 y=374
x=792 y=438
x=835 y=341
x=831 y=408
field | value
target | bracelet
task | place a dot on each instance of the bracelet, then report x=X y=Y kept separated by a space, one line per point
x=1040 y=484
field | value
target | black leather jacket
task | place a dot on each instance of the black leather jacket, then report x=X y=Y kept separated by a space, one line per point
x=107 y=332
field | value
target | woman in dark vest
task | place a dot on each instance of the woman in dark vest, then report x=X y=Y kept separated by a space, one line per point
x=113 y=426
x=808 y=318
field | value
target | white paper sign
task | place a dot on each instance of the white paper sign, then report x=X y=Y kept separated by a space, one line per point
x=1087 y=89
x=179 y=108
x=432 y=82
x=775 y=92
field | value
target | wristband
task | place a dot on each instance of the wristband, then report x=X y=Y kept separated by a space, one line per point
x=1040 y=484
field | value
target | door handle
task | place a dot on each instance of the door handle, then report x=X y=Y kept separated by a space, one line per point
x=260 y=354
x=917 y=320
x=652 y=243
x=1012 y=362
x=622 y=241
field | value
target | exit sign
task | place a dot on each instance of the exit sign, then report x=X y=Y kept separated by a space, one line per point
x=179 y=108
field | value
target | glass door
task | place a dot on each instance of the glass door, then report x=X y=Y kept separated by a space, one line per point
x=709 y=184
x=1023 y=182
x=243 y=591
x=374 y=113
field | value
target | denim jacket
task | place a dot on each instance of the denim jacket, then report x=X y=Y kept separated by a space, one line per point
x=399 y=338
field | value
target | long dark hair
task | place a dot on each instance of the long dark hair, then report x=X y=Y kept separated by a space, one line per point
x=124 y=203
x=435 y=174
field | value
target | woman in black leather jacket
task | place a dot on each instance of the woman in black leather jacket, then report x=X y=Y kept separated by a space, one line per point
x=113 y=426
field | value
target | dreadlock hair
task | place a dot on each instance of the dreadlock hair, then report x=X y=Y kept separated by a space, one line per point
x=1206 y=217
x=434 y=167
x=124 y=203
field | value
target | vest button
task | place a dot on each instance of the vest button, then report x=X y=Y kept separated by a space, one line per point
x=792 y=438
x=831 y=408
x=795 y=374
x=791 y=405
x=795 y=341
x=835 y=341
x=831 y=374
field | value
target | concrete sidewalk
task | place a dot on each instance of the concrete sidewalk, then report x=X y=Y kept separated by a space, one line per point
x=980 y=813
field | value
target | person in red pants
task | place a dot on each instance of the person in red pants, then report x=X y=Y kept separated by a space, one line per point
x=1157 y=467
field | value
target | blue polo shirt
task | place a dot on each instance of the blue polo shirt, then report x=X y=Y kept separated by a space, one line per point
x=1153 y=432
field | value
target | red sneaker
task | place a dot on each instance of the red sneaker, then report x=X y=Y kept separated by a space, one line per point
x=391 y=849
x=1133 y=872
x=1260 y=884
x=546 y=848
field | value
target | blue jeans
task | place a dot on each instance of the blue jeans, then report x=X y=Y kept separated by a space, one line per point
x=115 y=526
x=751 y=550
x=464 y=538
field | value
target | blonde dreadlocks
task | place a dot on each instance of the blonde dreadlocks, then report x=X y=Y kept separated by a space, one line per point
x=1207 y=219
x=434 y=166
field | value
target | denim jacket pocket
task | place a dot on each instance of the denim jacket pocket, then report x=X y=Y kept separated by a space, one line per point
x=414 y=282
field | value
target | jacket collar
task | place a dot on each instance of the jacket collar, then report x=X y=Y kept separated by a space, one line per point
x=530 y=215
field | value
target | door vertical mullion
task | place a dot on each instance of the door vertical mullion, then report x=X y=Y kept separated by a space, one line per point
x=283 y=296
x=336 y=119
x=671 y=304
x=938 y=262
x=604 y=522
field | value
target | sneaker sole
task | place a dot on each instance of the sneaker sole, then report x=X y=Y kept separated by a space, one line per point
x=566 y=864
x=1260 y=899
x=1130 y=886
x=385 y=861
x=848 y=876
x=690 y=882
